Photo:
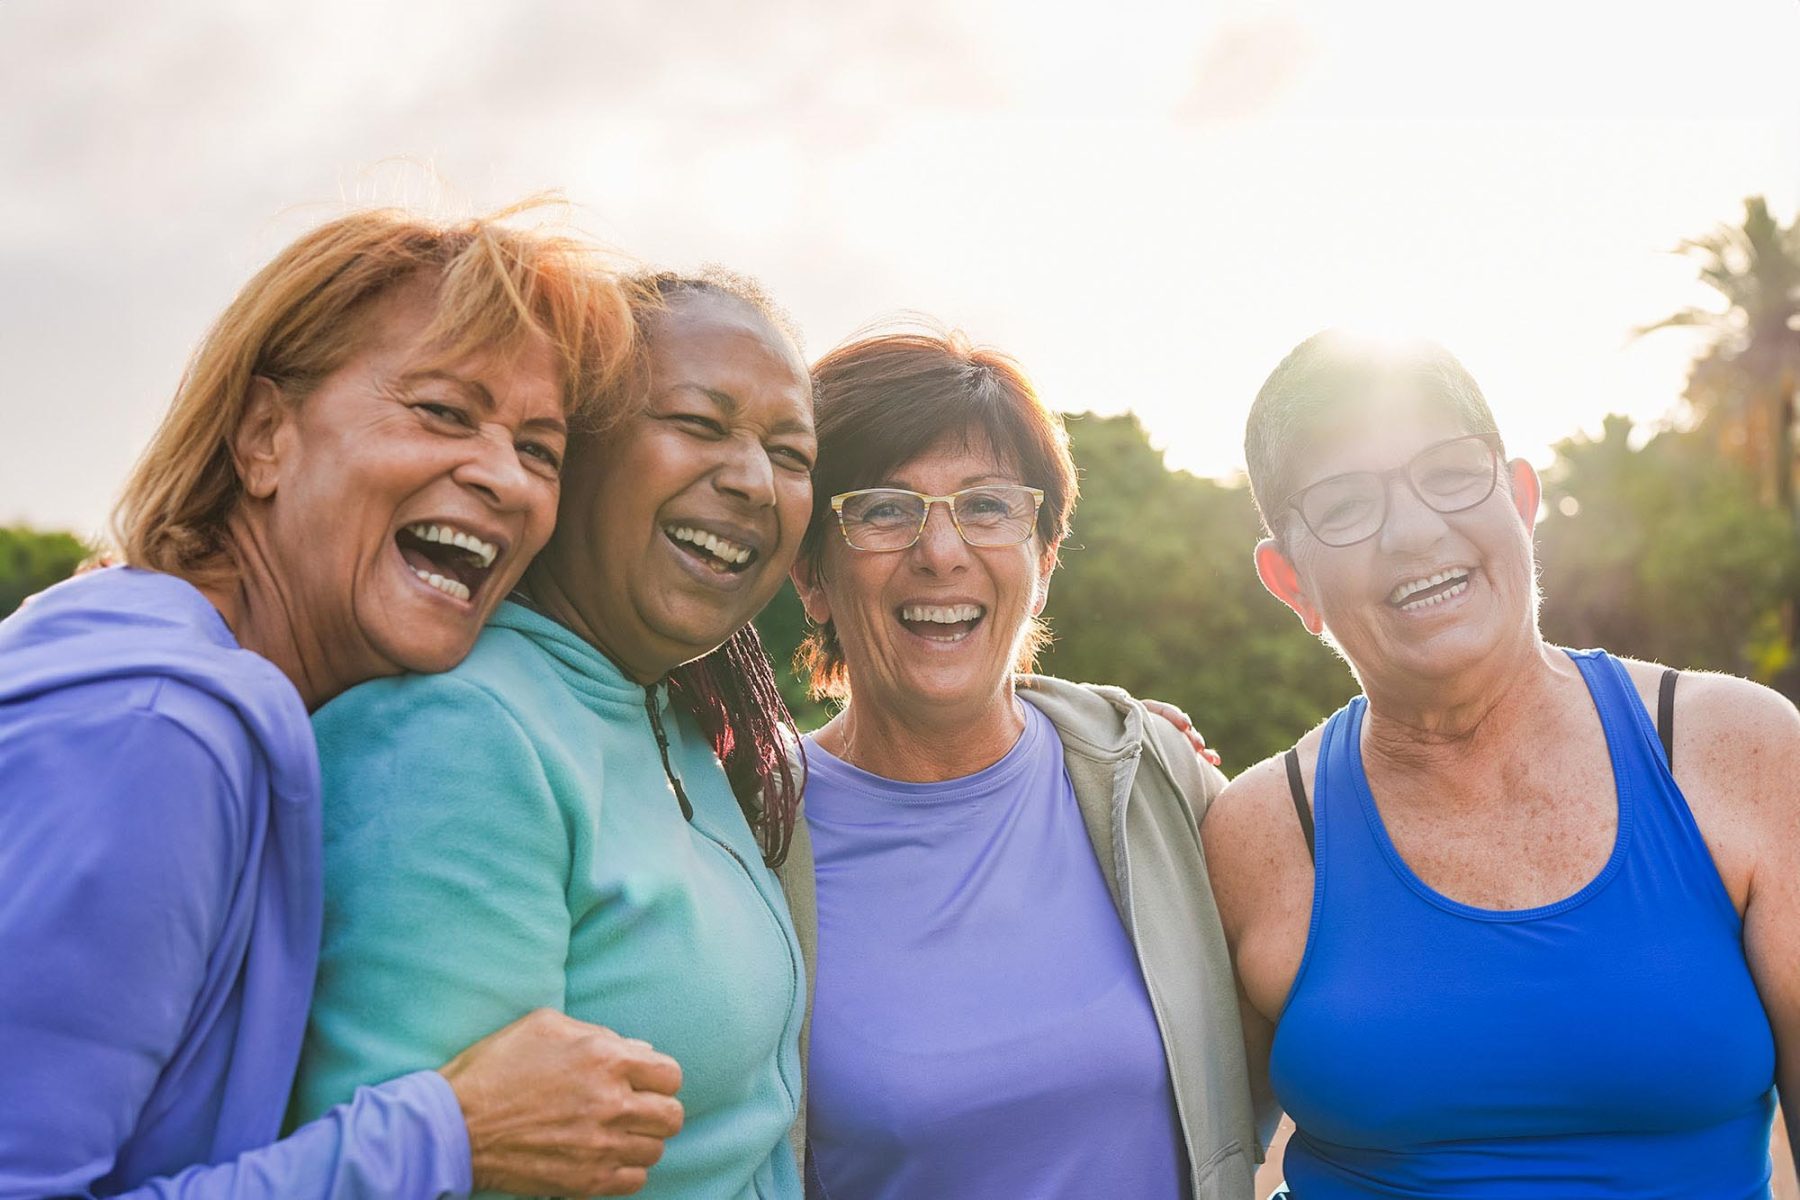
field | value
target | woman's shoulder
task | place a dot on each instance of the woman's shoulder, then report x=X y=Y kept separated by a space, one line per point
x=141 y=653
x=1099 y=715
x=450 y=750
x=1258 y=805
x=499 y=679
x=1715 y=712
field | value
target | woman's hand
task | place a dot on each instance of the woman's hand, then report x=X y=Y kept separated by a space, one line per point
x=558 y=1107
x=1185 y=724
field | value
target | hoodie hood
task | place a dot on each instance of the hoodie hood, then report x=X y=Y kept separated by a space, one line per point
x=127 y=623
x=1101 y=721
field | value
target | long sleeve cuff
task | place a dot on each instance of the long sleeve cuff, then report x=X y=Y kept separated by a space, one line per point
x=443 y=1164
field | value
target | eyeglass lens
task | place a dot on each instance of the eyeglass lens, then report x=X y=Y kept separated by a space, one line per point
x=892 y=519
x=1448 y=477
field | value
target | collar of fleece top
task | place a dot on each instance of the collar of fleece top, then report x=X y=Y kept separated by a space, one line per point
x=579 y=664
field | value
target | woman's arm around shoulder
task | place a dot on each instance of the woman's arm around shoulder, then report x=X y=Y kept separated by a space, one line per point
x=1181 y=747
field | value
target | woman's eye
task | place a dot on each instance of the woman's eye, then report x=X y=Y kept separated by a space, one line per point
x=444 y=412
x=1345 y=512
x=543 y=453
x=696 y=421
x=797 y=459
x=1450 y=479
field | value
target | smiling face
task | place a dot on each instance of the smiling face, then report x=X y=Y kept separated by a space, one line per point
x=681 y=525
x=1429 y=595
x=937 y=626
x=398 y=502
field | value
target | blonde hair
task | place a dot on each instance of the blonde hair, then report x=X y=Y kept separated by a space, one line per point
x=306 y=313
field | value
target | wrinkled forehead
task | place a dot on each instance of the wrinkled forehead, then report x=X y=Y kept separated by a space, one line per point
x=1376 y=430
x=953 y=459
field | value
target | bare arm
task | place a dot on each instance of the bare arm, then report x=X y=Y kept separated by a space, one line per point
x=1737 y=759
x=1772 y=909
x=1262 y=879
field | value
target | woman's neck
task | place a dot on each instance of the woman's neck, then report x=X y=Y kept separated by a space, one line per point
x=1454 y=721
x=543 y=593
x=260 y=615
x=925 y=745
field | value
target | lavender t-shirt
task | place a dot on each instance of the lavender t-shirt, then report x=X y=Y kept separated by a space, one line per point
x=980 y=1025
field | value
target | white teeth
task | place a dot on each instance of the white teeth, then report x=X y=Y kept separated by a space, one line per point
x=941 y=614
x=1449 y=593
x=1399 y=594
x=451 y=536
x=718 y=547
x=450 y=587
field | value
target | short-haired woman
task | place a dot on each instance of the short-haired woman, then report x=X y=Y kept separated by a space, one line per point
x=1022 y=986
x=360 y=462
x=1520 y=921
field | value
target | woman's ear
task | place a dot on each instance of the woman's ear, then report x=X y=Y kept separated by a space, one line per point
x=257 y=444
x=1527 y=491
x=809 y=582
x=1278 y=574
x=1046 y=567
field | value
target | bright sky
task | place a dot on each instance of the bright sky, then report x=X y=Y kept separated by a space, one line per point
x=1148 y=203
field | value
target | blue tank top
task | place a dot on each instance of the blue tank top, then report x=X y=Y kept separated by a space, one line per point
x=1611 y=1044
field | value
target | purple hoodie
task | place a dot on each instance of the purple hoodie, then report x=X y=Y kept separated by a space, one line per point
x=159 y=918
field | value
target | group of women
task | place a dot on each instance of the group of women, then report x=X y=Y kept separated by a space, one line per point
x=413 y=810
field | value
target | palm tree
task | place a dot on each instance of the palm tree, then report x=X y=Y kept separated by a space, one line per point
x=1742 y=384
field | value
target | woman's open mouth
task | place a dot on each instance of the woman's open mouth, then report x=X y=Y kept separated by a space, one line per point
x=1422 y=595
x=720 y=555
x=941 y=622
x=452 y=560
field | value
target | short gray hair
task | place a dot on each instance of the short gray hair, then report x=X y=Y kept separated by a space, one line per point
x=1330 y=372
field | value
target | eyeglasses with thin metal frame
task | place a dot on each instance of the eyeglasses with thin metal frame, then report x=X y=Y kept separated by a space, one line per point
x=1009 y=519
x=1448 y=477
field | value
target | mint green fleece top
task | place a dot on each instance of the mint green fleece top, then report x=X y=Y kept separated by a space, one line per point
x=502 y=837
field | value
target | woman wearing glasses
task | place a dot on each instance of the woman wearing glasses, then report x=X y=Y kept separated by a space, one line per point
x=1518 y=921
x=1022 y=985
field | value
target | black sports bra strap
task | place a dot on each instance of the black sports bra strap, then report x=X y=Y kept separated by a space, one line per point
x=1303 y=810
x=1665 y=715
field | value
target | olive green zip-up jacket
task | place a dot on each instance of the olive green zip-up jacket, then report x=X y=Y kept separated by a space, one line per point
x=1142 y=793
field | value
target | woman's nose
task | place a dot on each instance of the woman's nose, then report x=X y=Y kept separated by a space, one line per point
x=940 y=546
x=747 y=473
x=1411 y=524
x=494 y=469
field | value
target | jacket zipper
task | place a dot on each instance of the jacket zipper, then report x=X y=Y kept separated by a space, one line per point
x=662 y=748
x=687 y=811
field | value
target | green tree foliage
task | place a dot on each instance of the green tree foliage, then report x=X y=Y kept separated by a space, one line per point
x=1742 y=383
x=1158 y=594
x=1665 y=553
x=31 y=561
